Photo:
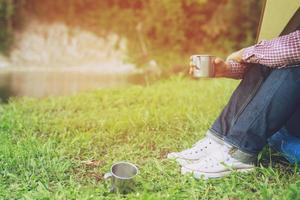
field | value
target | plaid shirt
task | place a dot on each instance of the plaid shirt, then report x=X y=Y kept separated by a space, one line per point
x=280 y=52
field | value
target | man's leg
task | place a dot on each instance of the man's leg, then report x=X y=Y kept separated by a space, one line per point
x=293 y=124
x=287 y=139
x=244 y=127
x=243 y=94
x=273 y=104
x=253 y=79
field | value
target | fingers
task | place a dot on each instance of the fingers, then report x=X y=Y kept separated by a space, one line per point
x=191 y=70
x=219 y=63
x=218 y=60
x=220 y=67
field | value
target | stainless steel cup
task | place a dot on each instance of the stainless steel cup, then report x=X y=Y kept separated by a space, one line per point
x=203 y=66
x=122 y=177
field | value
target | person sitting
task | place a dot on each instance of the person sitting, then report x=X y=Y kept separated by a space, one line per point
x=266 y=103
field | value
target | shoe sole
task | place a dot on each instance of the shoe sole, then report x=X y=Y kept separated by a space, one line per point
x=219 y=175
x=181 y=161
x=204 y=175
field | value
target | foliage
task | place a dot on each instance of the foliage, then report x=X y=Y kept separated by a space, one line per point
x=9 y=16
x=6 y=13
x=59 y=148
x=156 y=28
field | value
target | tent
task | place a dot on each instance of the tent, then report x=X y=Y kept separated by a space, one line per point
x=279 y=17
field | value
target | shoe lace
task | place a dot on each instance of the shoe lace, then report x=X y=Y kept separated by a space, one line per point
x=200 y=146
x=220 y=158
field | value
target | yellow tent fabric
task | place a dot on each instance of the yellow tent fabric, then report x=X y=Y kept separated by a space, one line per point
x=275 y=17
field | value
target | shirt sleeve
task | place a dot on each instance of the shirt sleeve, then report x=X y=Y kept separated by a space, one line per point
x=277 y=53
x=236 y=70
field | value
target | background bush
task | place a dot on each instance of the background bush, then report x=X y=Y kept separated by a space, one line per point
x=161 y=29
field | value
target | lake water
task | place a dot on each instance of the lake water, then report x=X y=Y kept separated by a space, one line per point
x=44 y=82
x=54 y=59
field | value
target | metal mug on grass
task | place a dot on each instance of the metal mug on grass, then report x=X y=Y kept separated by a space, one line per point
x=203 y=66
x=122 y=177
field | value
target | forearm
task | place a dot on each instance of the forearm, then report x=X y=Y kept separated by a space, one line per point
x=276 y=53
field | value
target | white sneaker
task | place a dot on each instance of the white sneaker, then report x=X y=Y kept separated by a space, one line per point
x=199 y=150
x=215 y=165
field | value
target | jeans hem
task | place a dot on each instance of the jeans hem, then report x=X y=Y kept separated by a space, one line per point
x=211 y=133
x=235 y=151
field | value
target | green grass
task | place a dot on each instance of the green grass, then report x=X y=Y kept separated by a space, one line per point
x=59 y=148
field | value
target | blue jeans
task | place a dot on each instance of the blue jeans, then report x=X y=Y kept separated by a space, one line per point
x=265 y=101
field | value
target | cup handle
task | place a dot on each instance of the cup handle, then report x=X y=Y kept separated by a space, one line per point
x=107 y=175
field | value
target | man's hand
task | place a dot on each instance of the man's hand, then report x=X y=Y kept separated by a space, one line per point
x=221 y=67
x=191 y=70
x=236 y=56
